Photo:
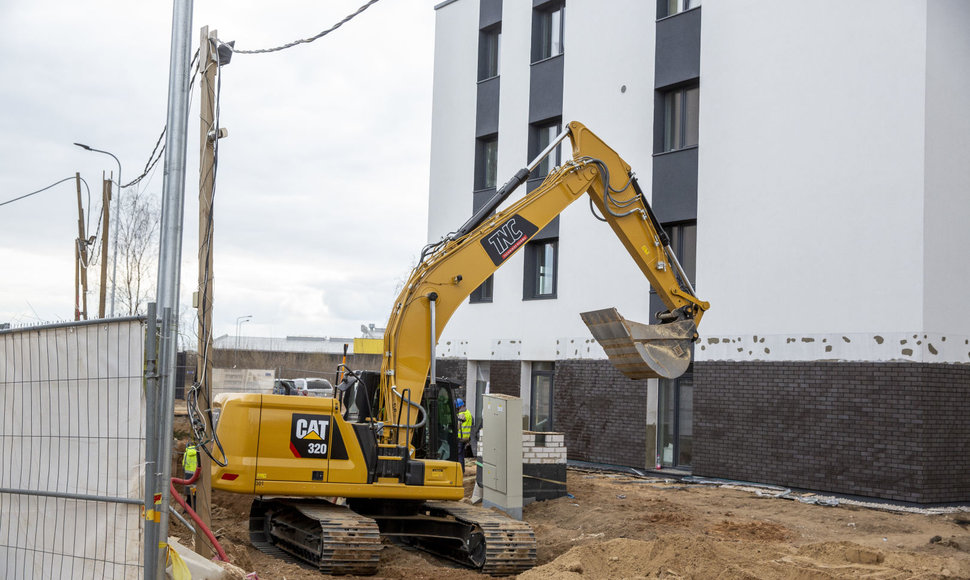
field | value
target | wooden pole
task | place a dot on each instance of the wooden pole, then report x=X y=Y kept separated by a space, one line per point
x=207 y=60
x=105 y=215
x=77 y=283
x=81 y=255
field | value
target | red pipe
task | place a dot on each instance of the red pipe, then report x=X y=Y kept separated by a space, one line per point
x=221 y=554
x=191 y=480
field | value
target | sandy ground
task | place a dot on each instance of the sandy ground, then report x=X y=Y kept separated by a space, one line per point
x=619 y=526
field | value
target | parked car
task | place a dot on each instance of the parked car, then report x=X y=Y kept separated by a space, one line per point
x=303 y=387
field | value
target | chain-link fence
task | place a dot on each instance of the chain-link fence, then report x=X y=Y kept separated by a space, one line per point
x=72 y=449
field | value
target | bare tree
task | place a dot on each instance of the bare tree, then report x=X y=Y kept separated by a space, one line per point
x=138 y=224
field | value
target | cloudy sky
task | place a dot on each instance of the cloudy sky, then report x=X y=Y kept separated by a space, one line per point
x=321 y=201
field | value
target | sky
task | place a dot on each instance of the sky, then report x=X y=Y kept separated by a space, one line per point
x=322 y=190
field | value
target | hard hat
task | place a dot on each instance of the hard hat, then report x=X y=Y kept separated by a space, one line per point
x=459 y=403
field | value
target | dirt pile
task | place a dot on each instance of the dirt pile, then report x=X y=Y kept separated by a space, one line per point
x=616 y=526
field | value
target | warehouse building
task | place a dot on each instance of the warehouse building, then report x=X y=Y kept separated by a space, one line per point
x=811 y=163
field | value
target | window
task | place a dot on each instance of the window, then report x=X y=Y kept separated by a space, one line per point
x=489 y=53
x=671 y=7
x=483 y=293
x=482 y=372
x=541 y=407
x=547 y=32
x=683 y=241
x=486 y=162
x=681 y=111
x=541 y=135
x=540 y=269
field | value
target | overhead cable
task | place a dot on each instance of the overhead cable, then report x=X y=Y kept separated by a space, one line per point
x=348 y=18
x=46 y=188
x=153 y=159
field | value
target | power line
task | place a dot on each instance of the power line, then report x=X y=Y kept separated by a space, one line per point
x=46 y=188
x=153 y=159
x=348 y=18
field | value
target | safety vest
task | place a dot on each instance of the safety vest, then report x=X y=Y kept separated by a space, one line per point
x=190 y=461
x=465 y=423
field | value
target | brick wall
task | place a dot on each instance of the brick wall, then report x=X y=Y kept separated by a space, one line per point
x=543 y=465
x=504 y=378
x=602 y=413
x=455 y=369
x=892 y=430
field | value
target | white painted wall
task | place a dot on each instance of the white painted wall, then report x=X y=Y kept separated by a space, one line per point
x=595 y=271
x=453 y=117
x=833 y=177
x=609 y=45
x=946 y=219
x=810 y=201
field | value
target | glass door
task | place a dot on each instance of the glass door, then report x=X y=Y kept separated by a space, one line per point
x=675 y=441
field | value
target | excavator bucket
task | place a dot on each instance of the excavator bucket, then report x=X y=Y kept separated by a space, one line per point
x=642 y=351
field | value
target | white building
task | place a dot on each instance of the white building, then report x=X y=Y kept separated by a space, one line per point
x=811 y=161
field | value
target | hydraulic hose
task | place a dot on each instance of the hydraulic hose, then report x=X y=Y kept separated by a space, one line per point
x=220 y=553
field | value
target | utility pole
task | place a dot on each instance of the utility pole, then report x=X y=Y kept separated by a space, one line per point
x=105 y=215
x=80 y=260
x=208 y=61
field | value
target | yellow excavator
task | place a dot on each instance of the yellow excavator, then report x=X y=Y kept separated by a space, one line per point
x=334 y=475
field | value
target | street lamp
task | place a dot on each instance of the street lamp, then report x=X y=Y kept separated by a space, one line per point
x=114 y=253
x=239 y=321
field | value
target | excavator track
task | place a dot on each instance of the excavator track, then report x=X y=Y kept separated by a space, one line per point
x=472 y=536
x=331 y=538
x=510 y=545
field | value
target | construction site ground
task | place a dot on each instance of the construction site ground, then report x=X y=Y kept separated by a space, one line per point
x=624 y=526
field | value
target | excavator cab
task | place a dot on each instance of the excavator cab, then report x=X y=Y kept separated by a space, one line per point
x=438 y=438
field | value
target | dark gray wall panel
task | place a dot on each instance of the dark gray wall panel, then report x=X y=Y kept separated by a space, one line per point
x=678 y=56
x=674 y=192
x=486 y=118
x=545 y=89
x=489 y=13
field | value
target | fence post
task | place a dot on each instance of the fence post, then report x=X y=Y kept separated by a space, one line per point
x=151 y=441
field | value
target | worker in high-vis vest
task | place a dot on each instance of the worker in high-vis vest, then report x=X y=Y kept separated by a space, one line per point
x=190 y=463
x=464 y=429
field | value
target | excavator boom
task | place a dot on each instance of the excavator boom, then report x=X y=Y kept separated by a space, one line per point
x=386 y=444
x=451 y=269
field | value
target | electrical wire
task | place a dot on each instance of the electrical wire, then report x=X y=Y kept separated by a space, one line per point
x=26 y=195
x=200 y=427
x=346 y=19
x=152 y=159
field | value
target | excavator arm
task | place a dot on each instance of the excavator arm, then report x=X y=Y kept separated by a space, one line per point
x=294 y=452
x=452 y=268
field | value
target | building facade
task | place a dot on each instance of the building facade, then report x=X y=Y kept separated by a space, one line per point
x=812 y=167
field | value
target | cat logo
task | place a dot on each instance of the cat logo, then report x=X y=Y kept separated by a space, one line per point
x=316 y=437
x=314 y=429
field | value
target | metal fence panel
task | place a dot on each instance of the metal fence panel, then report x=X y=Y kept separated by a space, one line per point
x=72 y=446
